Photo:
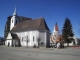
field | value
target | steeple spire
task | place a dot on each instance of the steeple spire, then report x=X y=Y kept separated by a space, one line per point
x=56 y=23
x=56 y=30
x=14 y=14
x=56 y=27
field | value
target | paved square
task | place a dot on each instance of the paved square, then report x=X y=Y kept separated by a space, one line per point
x=22 y=53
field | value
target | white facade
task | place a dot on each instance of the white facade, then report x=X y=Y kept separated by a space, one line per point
x=14 y=20
x=57 y=33
x=9 y=40
x=32 y=37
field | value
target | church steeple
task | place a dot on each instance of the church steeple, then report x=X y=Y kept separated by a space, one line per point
x=56 y=30
x=14 y=14
x=56 y=27
x=14 y=19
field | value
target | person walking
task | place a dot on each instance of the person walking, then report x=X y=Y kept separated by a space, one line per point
x=58 y=45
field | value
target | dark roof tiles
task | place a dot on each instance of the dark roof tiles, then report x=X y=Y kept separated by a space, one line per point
x=15 y=37
x=36 y=24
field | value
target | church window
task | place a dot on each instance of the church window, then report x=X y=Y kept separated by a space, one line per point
x=33 y=38
x=12 y=21
x=22 y=39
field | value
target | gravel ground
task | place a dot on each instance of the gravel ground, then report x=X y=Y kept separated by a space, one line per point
x=23 y=53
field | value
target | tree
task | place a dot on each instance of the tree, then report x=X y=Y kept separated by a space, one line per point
x=27 y=40
x=39 y=39
x=67 y=32
x=7 y=27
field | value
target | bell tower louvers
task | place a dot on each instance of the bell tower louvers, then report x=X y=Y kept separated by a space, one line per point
x=14 y=20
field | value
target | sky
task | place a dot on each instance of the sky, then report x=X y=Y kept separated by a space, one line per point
x=52 y=10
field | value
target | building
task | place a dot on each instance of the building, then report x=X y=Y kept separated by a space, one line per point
x=57 y=37
x=78 y=41
x=7 y=25
x=28 y=33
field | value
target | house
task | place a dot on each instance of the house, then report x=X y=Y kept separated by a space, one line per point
x=78 y=41
x=28 y=33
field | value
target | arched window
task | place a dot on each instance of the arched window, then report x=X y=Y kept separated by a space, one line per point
x=12 y=21
x=22 y=39
x=33 y=38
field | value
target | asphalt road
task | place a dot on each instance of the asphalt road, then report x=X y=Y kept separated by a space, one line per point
x=12 y=53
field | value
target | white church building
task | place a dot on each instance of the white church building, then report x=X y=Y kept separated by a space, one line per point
x=28 y=33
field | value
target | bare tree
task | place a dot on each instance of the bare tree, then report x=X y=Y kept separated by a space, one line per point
x=27 y=40
x=39 y=39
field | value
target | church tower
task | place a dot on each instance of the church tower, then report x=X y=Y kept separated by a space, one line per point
x=14 y=20
x=56 y=32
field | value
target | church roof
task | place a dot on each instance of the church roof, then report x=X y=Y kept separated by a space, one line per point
x=36 y=24
x=15 y=37
x=21 y=18
x=59 y=39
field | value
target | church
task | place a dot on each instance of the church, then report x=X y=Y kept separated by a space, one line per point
x=56 y=37
x=27 y=33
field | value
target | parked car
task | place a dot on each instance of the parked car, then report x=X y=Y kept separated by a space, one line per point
x=53 y=45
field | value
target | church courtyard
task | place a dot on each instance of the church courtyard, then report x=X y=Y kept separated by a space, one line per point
x=23 y=53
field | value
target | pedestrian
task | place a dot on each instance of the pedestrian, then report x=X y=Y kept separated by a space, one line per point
x=58 y=45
